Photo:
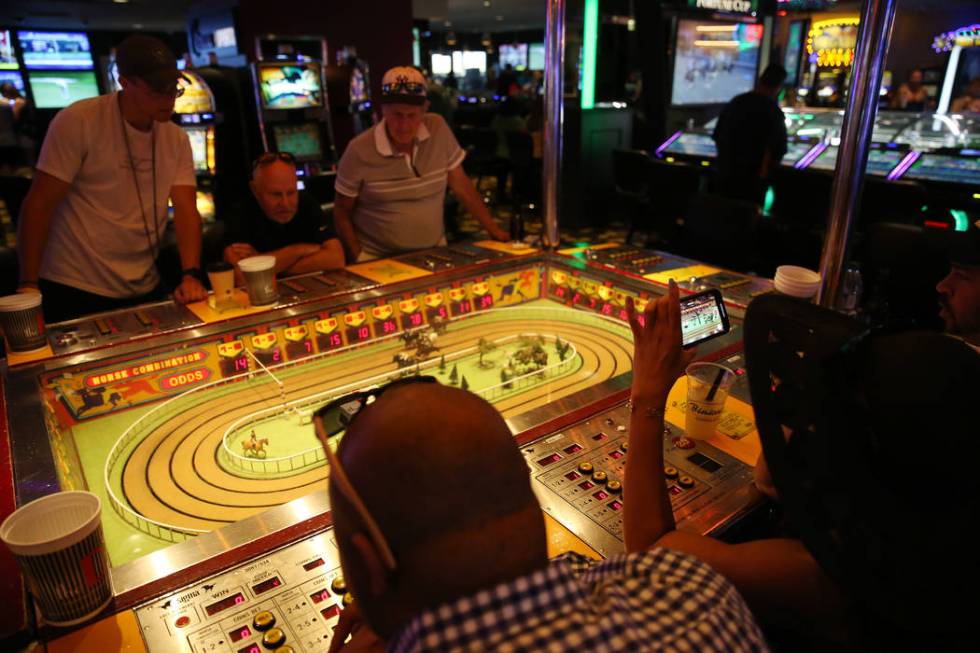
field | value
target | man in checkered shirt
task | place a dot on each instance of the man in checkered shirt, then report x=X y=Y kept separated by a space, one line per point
x=443 y=542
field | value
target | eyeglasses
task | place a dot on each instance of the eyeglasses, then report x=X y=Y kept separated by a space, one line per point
x=337 y=416
x=412 y=88
x=175 y=92
x=271 y=157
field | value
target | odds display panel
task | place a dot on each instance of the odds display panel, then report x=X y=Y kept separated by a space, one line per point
x=289 y=86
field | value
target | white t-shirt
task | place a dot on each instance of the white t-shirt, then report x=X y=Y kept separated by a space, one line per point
x=98 y=239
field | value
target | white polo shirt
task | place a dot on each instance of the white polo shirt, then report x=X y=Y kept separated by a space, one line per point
x=399 y=197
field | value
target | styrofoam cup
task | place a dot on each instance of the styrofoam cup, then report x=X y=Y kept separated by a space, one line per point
x=260 y=279
x=22 y=321
x=59 y=546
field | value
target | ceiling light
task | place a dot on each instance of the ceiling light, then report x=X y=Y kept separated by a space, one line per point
x=486 y=3
x=121 y=2
x=499 y=18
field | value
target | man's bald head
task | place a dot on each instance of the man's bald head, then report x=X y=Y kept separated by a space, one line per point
x=439 y=471
x=274 y=187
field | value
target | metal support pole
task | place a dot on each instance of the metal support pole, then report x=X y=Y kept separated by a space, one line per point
x=554 y=88
x=877 y=18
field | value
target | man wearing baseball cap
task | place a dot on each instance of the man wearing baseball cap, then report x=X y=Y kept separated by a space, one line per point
x=959 y=291
x=92 y=223
x=391 y=181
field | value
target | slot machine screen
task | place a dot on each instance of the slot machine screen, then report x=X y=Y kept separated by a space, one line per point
x=794 y=47
x=302 y=140
x=199 y=147
x=514 y=54
x=56 y=50
x=55 y=89
x=196 y=97
x=14 y=77
x=290 y=86
x=8 y=59
x=714 y=61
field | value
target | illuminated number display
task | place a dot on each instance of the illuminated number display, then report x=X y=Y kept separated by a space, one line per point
x=320 y=596
x=388 y=326
x=484 y=302
x=251 y=648
x=463 y=307
x=560 y=292
x=359 y=333
x=331 y=341
x=266 y=585
x=606 y=309
x=240 y=634
x=224 y=604
x=331 y=612
x=313 y=564
x=439 y=312
x=241 y=364
x=412 y=320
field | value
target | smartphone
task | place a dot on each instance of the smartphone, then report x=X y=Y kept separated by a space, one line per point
x=703 y=317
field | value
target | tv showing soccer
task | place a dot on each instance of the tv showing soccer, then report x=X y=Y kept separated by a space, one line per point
x=55 y=50
x=55 y=89
x=514 y=54
x=302 y=140
x=714 y=61
x=290 y=86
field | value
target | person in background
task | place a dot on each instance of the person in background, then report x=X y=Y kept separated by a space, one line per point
x=20 y=137
x=281 y=221
x=451 y=82
x=391 y=180
x=912 y=95
x=93 y=221
x=751 y=139
x=507 y=82
x=969 y=102
x=959 y=291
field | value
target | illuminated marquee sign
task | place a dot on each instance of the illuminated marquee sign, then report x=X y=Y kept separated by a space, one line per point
x=729 y=6
x=200 y=375
x=831 y=42
x=295 y=333
x=965 y=37
x=144 y=369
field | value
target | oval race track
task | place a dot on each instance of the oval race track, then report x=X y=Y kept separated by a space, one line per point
x=172 y=476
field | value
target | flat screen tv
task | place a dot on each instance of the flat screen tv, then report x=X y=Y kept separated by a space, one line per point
x=55 y=89
x=200 y=147
x=8 y=59
x=55 y=50
x=442 y=64
x=14 y=77
x=302 y=140
x=794 y=48
x=514 y=54
x=290 y=85
x=535 y=56
x=714 y=61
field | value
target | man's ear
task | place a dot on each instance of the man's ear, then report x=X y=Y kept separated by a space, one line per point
x=255 y=192
x=371 y=562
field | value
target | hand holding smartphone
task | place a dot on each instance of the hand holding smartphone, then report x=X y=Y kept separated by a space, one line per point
x=703 y=317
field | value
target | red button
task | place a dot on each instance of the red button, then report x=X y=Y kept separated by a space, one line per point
x=683 y=443
x=182 y=621
x=739 y=371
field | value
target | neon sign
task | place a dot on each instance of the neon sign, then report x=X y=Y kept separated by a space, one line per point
x=965 y=37
x=831 y=42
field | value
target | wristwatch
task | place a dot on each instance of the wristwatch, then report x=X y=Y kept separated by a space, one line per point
x=192 y=272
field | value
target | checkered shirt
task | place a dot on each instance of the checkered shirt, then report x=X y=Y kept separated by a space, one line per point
x=660 y=600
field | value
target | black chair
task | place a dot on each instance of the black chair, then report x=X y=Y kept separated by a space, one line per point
x=670 y=188
x=721 y=230
x=481 y=156
x=525 y=169
x=631 y=185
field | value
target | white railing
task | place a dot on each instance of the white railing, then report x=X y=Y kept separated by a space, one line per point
x=142 y=427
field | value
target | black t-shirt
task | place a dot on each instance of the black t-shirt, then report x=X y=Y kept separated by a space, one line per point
x=309 y=225
x=749 y=125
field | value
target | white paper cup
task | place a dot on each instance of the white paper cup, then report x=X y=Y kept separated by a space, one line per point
x=222 y=278
x=58 y=543
x=796 y=281
x=22 y=321
x=260 y=279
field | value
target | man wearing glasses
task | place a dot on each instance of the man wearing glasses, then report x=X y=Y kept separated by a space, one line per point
x=391 y=181
x=92 y=223
x=283 y=222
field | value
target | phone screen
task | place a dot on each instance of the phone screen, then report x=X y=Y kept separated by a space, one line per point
x=703 y=316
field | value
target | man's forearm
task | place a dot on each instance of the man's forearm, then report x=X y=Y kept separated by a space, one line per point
x=647 y=513
x=328 y=257
x=345 y=228
x=32 y=237
x=187 y=224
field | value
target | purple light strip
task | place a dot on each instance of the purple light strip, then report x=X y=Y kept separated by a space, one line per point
x=667 y=143
x=809 y=158
x=904 y=165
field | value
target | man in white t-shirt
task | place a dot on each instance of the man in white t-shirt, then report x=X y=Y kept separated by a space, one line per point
x=92 y=223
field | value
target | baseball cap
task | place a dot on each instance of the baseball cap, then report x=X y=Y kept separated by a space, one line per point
x=959 y=247
x=149 y=59
x=403 y=85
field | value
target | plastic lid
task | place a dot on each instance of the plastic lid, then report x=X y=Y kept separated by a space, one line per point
x=797 y=274
x=20 y=301
x=257 y=263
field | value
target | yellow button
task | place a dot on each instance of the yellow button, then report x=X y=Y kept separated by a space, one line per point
x=264 y=620
x=625 y=446
x=600 y=477
x=614 y=486
x=670 y=472
x=339 y=585
x=686 y=481
x=585 y=467
x=273 y=638
x=284 y=649
x=348 y=599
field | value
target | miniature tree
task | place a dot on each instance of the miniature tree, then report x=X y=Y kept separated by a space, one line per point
x=485 y=347
x=454 y=375
x=442 y=363
x=558 y=344
x=463 y=385
x=505 y=379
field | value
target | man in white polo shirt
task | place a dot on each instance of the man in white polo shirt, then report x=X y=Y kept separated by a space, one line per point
x=392 y=179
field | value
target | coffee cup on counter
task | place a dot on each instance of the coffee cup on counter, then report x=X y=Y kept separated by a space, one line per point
x=260 y=279
x=221 y=275
x=22 y=322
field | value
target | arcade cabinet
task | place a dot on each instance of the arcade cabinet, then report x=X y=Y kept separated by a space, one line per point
x=349 y=91
x=196 y=114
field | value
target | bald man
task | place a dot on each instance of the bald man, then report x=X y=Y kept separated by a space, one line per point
x=281 y=221
x=456 y=558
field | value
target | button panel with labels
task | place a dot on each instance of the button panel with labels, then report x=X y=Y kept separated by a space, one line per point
x=291 y=597
x=577 y=475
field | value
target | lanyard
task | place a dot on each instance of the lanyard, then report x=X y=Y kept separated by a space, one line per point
x=154 y=250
